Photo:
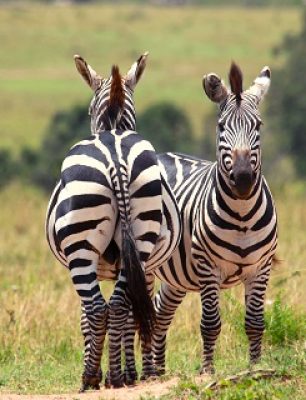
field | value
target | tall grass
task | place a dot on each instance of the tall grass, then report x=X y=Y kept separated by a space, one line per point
x=40 y=340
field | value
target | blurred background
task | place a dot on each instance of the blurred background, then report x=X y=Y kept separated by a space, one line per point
x=44 y=110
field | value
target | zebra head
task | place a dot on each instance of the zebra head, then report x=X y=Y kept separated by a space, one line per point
x=238 y=128
x=112 y=105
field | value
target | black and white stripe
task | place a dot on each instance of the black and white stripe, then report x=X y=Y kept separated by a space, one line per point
x=229 y=227
x=112 y=216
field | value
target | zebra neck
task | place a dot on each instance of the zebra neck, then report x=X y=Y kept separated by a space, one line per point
x=226 y=202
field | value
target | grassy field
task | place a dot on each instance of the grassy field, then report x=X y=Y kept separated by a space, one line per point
x=40 y=340
x=38 y=77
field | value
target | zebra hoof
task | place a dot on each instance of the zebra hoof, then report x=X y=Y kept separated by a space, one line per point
x=160 y=371
x=207 y=370
x=90 y=381
x=89 y=386
x=130 y=378
x=149 y=375
x=115 y=383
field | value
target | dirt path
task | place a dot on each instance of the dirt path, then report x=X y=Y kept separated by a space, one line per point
x=128 y=393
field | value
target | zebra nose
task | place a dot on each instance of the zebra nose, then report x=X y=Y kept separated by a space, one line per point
x=243 y=182
x=242 y=175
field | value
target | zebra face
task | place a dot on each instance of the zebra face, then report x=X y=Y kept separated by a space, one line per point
x=238 y=128
x=112 y=105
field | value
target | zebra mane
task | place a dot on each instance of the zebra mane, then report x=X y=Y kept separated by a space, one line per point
x=235 y=78
x=116 y=98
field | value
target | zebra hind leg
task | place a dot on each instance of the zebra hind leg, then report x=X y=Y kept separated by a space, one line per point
x=85 y=328
x=210 y=324
x=94 y=321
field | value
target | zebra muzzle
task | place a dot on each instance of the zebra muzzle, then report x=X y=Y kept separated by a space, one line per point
x=242 y=176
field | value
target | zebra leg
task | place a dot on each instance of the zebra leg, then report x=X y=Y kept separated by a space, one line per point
x=166 y=302
x=119 y=306
x=148 y=368
x=255 y=291
x=128 y=336
x=83 y=274
x=130 y=373
x=85 y=328
x=210 y=323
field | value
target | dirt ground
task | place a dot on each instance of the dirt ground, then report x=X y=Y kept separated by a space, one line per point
x=154 y=388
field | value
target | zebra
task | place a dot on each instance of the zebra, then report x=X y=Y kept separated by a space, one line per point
x=229 y=223
x=112 y=216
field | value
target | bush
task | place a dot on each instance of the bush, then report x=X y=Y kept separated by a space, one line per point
x=283 y=324
x=167 y=127
x=9 y=167
x=65 y=129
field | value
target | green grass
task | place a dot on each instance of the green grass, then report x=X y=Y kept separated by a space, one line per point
x=40 y=339
x=38 y=77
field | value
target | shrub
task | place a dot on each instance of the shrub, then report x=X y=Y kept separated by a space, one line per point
x=283 y=324
x=167 y=127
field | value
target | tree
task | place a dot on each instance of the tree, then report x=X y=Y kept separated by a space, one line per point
x=167 y=127
x=66 y=128
x=287 y=101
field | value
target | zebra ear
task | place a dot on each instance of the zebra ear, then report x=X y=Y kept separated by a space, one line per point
x=136 y=71
x=214 y=88
x=261 y=84
x=89 y=74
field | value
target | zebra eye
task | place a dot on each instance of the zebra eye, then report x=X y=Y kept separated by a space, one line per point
x=258 y=125
x=221 y=127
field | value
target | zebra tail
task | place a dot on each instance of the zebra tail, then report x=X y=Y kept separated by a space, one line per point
x=142 y=305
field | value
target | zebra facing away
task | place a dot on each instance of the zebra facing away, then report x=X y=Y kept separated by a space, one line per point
x=112 y=216
x=229 y=232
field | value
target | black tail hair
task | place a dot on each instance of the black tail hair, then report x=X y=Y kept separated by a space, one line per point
x=142 y=305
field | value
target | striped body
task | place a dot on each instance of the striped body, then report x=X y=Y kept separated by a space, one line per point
x=82 y=219
x=112 y=216
x=216 y=232
x=229 y=224
x=89 y=181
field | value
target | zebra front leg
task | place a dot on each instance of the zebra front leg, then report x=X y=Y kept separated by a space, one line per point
x=166 y=302
x=83 y=274
x=130 y=373
x=148 y=367
x=210 y=323
x=119 y=306
x=255 y=291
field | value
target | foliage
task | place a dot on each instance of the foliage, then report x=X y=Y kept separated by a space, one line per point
x=167 y=127
x=284 y=325
x=65 y=129
x=8 y=167
x=287 y=101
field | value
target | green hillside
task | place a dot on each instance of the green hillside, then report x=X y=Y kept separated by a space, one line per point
x=38 y=77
